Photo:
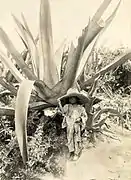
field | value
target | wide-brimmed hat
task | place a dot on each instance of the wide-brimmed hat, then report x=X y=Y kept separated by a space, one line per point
x=81 y=96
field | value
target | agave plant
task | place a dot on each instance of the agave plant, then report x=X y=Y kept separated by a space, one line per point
x=41 y=80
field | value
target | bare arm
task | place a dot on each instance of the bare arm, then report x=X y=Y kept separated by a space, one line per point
x=63 y=109
x=84 y=116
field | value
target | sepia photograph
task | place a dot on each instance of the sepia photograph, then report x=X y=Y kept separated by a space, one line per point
x=65 y=90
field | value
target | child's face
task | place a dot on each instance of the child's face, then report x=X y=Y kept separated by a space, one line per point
x=72 y=100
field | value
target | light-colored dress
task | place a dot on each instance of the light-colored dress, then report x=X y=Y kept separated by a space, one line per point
x=75 y=120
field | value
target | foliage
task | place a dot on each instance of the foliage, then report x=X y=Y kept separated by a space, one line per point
x=46 y=149
x=118 y=79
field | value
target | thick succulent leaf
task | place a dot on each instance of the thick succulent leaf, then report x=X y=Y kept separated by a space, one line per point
x=27 y=27
x=7 y=111
x=28 y=38
x=24 y=54
x=92 y=32
x=117 y=62
x=22 y=39
x=39 y=105
x=72 y=64
x=21 y=28
x=69 y=74
x=33 y=53
x=37 y=38
x=58 y=56
x=16 y=55
x=32 y=47
x=47 y=68
x=96 y=20
x=21 y=110
x=44 y=90
x=101 y=10
x=9 y=76
x=72 y=67
x=105 y=110
x=74 y=60
x=9 y=64
x=107 y=23
x=70 y=60
x=8 y=86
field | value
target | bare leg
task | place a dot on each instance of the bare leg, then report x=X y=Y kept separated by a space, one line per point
x=77 y=139
x=70 y=137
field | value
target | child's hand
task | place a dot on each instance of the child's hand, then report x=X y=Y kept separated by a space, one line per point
x=58 y=110
x=78 y=119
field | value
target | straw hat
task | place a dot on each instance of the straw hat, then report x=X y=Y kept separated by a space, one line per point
x=72 y=92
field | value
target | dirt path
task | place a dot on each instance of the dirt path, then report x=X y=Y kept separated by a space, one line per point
x=109 y=160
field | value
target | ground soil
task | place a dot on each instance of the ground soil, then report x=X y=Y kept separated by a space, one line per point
x=108 y=159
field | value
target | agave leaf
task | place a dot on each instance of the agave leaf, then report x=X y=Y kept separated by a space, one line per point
x=58 y=56
x=62 y=86
x=107 y=23
x=32 y=47
x=37 y=39
x=22 y=101
x=96 y=23
x=44 y=90
x=101 y=10
x=26 y=51
x=7 y=111
x=8 y=86
x=8 y=54
x=47 y=68
x=9 y=75
x=24 y=55
x=117 y=62
x=105 y=110
x=22 y=39
x=93 y=87
x=83 y=41
x=39 y=105
x=16 y=55
x=74 y=60
x=33 y=53
x=27 y=27
x=11 y=67
x=92 y=32
x=28 y=38
x=69 y=61
x=21 y=28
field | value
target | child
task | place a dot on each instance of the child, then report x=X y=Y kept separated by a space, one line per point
x=75 y=118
